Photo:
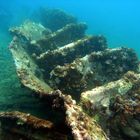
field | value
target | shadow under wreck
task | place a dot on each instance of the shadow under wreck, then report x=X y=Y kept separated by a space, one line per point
x=79 y=77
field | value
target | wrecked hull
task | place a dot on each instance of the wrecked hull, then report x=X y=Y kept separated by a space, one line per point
x=77 y=74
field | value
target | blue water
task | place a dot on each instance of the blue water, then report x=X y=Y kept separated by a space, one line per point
x=118 y=20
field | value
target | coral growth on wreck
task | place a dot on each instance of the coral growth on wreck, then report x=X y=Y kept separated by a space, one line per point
x=80 y=77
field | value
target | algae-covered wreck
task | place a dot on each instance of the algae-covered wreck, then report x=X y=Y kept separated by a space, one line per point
x=94 y=88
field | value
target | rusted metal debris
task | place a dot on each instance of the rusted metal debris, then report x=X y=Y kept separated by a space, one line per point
x=28 y=126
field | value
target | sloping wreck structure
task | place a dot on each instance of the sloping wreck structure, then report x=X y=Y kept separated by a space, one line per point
x=94 y=88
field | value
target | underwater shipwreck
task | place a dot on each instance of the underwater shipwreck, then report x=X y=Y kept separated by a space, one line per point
x=94 y=89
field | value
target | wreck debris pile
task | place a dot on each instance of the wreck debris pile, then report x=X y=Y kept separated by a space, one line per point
x=70 y=52
x=60 y=63
x=100 y=97
x=26 y=125
x=94 y=70
x=49 y=18
x=118 y=103
x=126 y=111
x=61 y=37
x=30 y=31
x=81 y=125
